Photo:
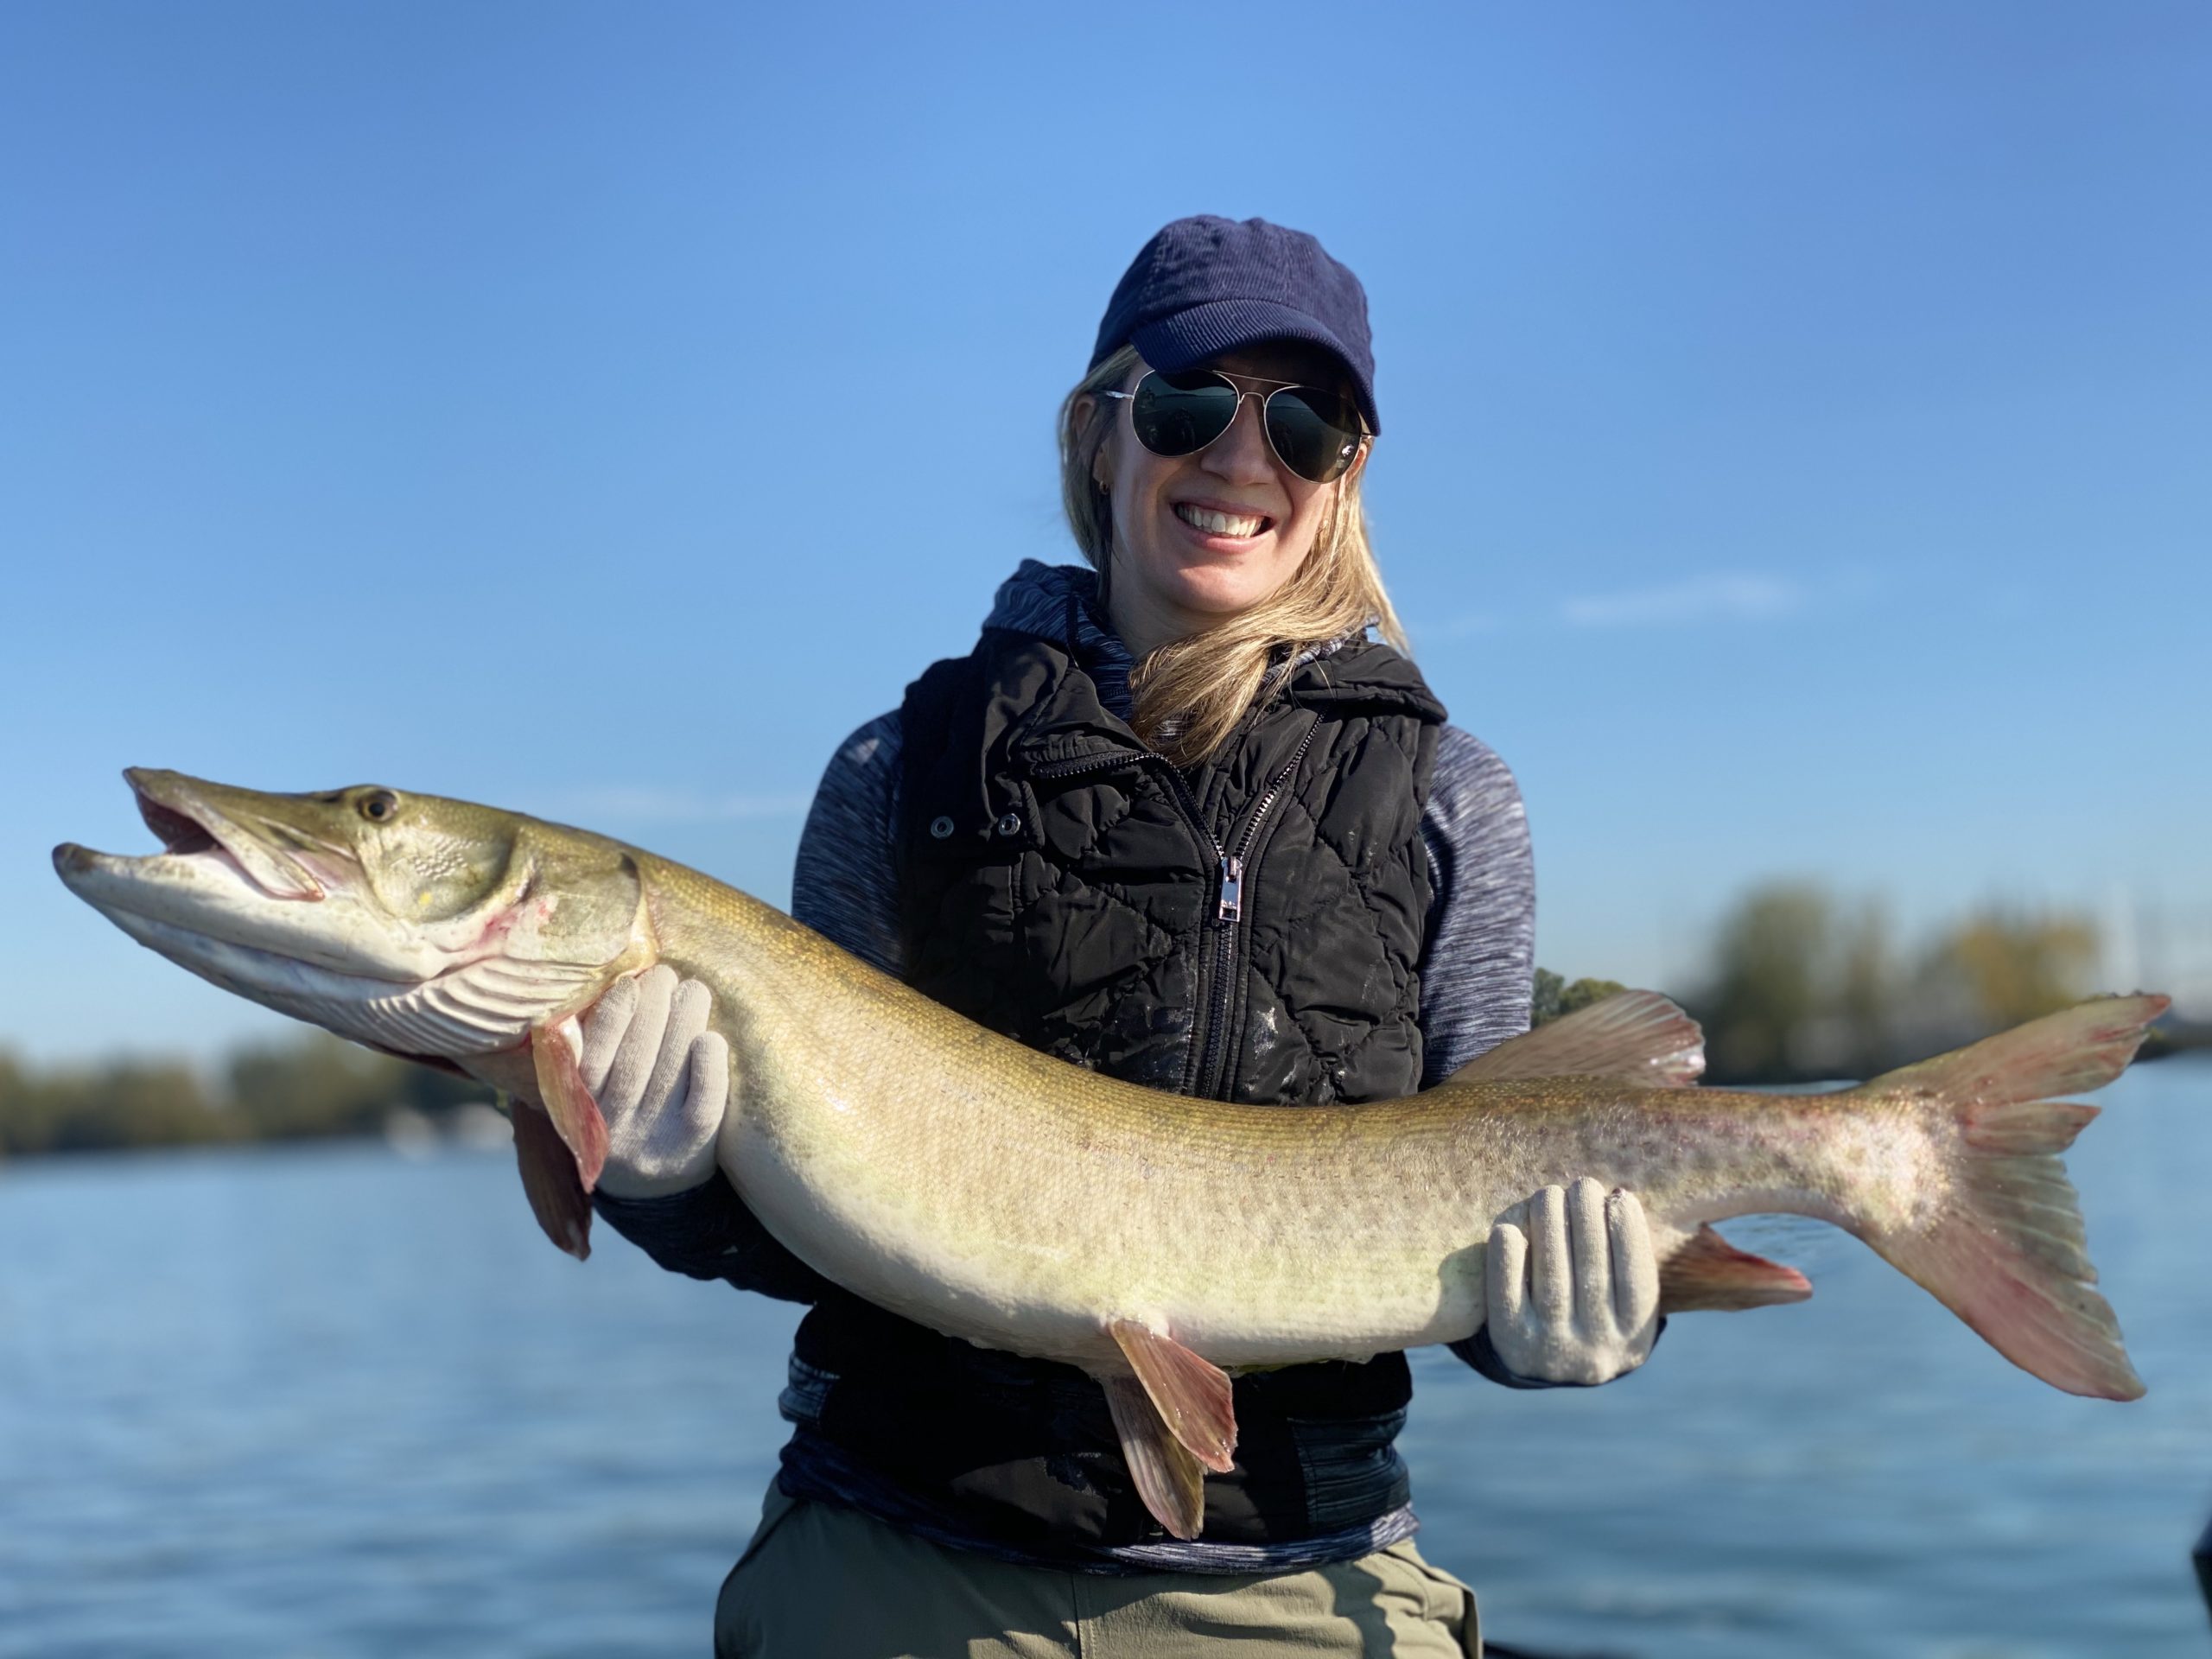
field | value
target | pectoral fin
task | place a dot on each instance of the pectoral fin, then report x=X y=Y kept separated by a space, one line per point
x=555 y=1048
x=1710 y=1273
x=548 y=1178
x=1167 y=1477
x=1191 y=1395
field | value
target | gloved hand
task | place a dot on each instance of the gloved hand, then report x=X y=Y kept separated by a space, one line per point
x=1572 y=1285
x=661 y=1081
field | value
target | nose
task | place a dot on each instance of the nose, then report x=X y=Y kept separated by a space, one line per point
x=1241 y=455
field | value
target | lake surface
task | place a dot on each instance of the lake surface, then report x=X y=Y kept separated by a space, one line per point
x=335 y=1401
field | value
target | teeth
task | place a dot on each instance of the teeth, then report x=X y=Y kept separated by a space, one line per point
x=1219 y=524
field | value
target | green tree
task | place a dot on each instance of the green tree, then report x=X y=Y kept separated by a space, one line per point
x=1769 y=962
x=2012 y=966
x=124 y=1103
x=315 y=1086
x=1555 y=996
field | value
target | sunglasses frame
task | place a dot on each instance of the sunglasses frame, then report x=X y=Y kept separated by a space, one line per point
x=1241 y=385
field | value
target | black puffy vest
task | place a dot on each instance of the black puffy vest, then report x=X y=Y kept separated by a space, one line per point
x=1247 y=932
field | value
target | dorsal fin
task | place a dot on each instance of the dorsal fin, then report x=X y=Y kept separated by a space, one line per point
x=1637 y=1035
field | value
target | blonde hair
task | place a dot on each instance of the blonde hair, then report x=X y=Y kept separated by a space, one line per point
x=1192 y=692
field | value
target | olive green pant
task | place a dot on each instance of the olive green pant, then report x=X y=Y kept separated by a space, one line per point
x=823 y=1582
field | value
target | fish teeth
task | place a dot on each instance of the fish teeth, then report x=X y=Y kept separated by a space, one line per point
x=1219 y=524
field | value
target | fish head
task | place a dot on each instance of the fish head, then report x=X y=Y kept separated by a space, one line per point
x=433 y=928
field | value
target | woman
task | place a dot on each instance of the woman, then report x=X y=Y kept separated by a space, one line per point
x=1176 y=817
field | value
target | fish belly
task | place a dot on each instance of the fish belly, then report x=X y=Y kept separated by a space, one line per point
x=1002 y=1227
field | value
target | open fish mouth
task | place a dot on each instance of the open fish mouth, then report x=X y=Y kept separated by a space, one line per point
x=181 y=836
x=203 y=849
x=188 y=825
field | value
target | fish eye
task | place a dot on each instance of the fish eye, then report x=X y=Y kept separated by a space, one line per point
x=379 y=805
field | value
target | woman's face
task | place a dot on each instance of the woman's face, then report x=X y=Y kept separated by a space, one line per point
x=1199 y=538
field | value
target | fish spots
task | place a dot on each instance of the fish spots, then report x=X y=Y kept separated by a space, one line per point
x=1896 y=1176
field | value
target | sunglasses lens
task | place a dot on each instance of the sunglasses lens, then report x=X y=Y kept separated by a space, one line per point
x=1316 y=433
x=1177 y=414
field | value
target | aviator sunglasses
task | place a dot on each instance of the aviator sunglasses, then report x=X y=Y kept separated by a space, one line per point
x=1314 y=433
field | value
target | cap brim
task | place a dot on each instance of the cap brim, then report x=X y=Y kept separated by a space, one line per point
x=1189 y=338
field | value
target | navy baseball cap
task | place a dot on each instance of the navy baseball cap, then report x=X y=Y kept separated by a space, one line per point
x=1208 y=285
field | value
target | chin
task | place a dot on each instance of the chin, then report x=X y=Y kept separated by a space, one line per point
x=1228 y=589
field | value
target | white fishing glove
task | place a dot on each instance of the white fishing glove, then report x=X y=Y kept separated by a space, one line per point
x=661 y=1081
x=1573 y=1285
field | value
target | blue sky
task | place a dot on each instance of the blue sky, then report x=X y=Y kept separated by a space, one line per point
x=1797 y=449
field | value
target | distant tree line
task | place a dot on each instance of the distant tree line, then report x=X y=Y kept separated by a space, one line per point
x=1801 y=986
x=315 y=1086
x=1805 y=985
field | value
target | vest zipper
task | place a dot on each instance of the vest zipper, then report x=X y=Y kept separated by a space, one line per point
x=1229 y=910
x=1230 y=869
x=1081 y=763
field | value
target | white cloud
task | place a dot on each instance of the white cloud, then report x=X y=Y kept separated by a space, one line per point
x=1736 y=596
x=1458 y=627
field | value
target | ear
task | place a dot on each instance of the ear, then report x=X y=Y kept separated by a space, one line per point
x=1359 y=461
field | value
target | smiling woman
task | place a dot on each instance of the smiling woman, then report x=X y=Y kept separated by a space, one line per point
x=1179 y=819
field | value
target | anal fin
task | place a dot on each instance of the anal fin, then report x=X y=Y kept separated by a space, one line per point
x=548 y=1179
x=1191 y=1394
x=1710 y=1273
x=1167 y=1477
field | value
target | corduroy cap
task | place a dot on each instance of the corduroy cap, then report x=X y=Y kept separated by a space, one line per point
x=1206 y=285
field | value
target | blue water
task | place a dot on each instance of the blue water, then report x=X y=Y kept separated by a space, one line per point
x=334 y=1402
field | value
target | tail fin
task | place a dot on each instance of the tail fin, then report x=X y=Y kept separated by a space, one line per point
x=2003 y=1248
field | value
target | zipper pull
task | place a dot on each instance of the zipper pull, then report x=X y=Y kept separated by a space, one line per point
x=1232 y=888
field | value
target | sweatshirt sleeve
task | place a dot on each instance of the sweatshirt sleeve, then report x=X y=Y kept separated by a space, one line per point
x=1478 y=963
x=1478 y=971
x=843 y=888
x=846 y=883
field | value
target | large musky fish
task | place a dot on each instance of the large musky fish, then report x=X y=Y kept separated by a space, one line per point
x=1159 y=1243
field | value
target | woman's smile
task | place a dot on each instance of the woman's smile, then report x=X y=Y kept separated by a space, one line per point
x=1222 y=527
